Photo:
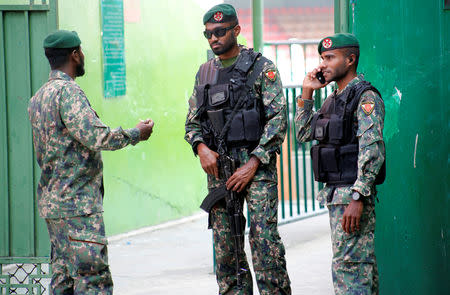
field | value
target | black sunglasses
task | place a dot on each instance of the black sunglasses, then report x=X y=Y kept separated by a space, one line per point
x=219 y=32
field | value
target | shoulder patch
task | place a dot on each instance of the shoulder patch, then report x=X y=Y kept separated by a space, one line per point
x=271 y=75
x=368 y=105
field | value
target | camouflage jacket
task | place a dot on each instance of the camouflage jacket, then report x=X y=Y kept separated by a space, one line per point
x=68 y=137
x=271 y=93
x=370 y=139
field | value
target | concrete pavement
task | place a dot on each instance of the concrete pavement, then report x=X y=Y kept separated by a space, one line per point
x=178 y=259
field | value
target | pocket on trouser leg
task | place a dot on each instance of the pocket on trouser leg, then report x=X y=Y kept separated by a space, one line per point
x=89 y=253
x=271 y=211
x=351 y=278
x=354 y=263
x=273 y=281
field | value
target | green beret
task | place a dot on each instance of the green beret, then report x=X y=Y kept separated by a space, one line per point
x=221 y=13
x=336 y=41
x=62 y=39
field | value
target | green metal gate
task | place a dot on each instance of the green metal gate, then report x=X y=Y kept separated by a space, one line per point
x=24 y=245
x=297 y=187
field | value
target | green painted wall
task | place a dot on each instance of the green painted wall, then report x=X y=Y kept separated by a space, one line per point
x=405 y=52
x=160 y=179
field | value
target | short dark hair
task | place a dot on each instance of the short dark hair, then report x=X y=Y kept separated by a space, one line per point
x=57 y=57
x=352 y=50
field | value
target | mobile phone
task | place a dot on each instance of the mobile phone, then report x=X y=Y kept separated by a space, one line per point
x=320 y=77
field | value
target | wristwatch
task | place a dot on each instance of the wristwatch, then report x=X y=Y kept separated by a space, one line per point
x=356 y=196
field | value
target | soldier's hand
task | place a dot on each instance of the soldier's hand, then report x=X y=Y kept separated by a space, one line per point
x=208 y=160
x=145 y=128
x=311 y=83
x=352 y=216
x=243 y=175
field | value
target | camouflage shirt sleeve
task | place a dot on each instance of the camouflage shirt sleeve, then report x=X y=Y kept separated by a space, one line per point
x=303 y=119
x=83 y=123
x=192 y=127
x=271 y=92
x=371 y=145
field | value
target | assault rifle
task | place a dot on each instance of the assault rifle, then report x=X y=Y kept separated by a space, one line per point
x=235 y=216
x=227 y=166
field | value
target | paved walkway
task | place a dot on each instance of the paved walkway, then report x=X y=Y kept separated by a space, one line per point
x=178 y=259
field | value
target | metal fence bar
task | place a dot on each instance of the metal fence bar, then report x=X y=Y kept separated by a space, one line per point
x=313 y=199
x=289 y=154
x=283 y=209
x=34 y=7
x=294 y=42
x=305 y=190
x=295 y=162
x=297 y=187
x=301 y=217
x=290 y=63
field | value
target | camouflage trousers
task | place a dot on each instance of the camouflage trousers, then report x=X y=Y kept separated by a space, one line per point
x=267 y=248
x=79 y=258
x=354 y=266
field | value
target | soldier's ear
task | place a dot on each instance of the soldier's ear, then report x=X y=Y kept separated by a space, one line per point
x=237 y=30
x=75 y=56
x=351 y=59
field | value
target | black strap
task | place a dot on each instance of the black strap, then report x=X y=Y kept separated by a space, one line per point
x=358 y=90
x=325 y=108
x=257 y=69
x=208 y=73
x=331 y=194
x=313 y=125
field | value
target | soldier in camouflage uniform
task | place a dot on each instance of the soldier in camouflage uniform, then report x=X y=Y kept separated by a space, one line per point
x=256 y=177
x=356 y=163
x=68 y=137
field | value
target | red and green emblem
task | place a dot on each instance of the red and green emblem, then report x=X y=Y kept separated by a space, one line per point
x=368 y=106
x=327 y=43
x=271 y=75
x=218 y=16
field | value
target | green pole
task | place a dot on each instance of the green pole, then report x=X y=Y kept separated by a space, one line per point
x=257 y=22
x=341 y=16
x=337 y=16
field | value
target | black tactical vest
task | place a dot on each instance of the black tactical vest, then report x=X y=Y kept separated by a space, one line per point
x=335 y=157
x=218 y=93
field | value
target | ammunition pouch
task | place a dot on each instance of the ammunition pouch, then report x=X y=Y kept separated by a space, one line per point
x=335 y=164
x=335 y=157
x=332 y=128
x=338 y=165
x=217 y=119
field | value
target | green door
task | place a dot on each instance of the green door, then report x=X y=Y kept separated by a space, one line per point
x=405 y=53
x=23 y=69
